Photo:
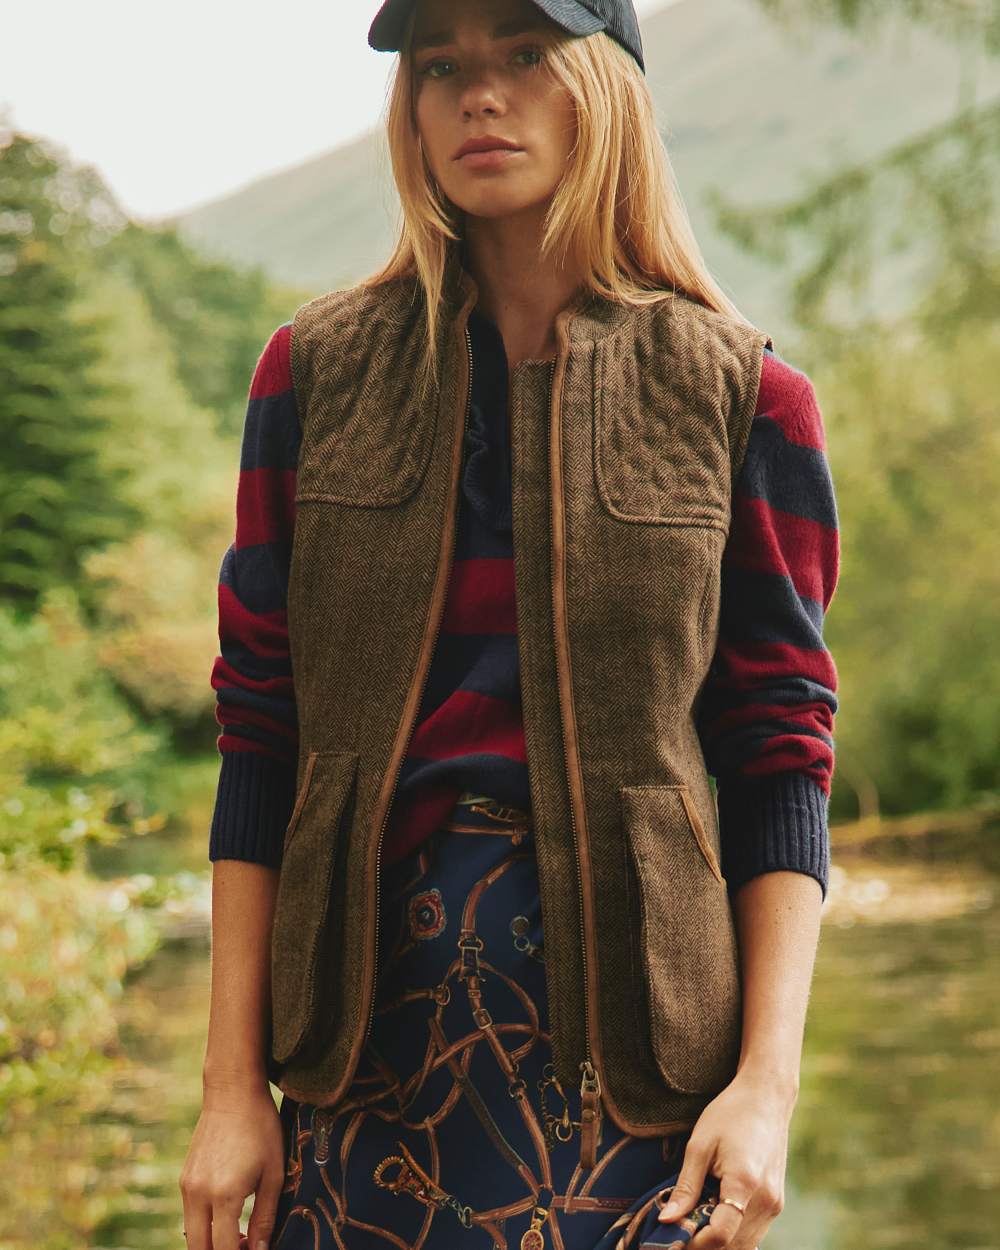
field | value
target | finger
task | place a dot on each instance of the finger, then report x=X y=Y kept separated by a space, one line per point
x=727 y=1222
x=197 y=1223
x=226 y=1214
x=751 y=1232
x=761 y=1214
x=750 y=1238
x=690 y=1181
x=261 y=1226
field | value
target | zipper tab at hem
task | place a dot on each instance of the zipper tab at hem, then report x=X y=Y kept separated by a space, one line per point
x=591 y=1115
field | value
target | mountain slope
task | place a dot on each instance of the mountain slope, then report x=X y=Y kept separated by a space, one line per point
x=747 y=106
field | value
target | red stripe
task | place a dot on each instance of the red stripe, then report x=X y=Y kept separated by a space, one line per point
x=409 y=824
x=273 y=373
x=763 y=538
x=264 y=633
x=812 y=715
x=229 y=742
x=225 y=714
x=481 y=597
x=783 y=761
x=746 y=664
x=467 y=723
x=265 y=506
x=788 y=397
x=224 y=674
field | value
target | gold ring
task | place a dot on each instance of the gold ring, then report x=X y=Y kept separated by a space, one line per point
x=740 y=1206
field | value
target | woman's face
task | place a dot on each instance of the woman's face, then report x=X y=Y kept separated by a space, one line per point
x=485 y=74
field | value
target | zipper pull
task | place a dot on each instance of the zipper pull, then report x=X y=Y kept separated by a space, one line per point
x=591 y=1119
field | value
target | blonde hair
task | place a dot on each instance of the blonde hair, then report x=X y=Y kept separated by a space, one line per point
x=617 y=213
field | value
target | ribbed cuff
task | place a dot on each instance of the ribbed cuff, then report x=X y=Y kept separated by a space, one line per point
x=253 y=805
x=772 y=823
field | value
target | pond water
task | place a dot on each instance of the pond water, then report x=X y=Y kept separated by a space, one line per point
x=896 y=1134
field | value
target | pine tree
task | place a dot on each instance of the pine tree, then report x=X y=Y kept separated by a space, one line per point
x=58 y=500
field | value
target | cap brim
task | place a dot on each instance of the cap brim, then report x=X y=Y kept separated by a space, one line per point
x=386 y=31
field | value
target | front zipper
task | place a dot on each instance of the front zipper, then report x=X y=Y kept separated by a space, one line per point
x=591 y=1116
x=423 y=682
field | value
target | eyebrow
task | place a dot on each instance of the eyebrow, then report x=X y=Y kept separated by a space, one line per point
x=513 y=26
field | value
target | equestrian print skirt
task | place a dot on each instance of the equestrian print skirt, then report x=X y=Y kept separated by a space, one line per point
x=453 y=1134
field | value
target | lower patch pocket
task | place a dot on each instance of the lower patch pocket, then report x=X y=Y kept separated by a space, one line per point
x=303 y=897
x=688 y=939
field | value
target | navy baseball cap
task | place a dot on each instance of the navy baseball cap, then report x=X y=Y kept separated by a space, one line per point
x=578 y=17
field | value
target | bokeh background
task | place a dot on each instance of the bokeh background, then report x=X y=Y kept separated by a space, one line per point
x=173 y=184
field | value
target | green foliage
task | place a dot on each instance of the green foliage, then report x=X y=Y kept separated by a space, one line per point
x=956 y=19
x=157 y=587
x=66 y=943
x=214 y=318
x=910 y=409
x=73 y=759
x=72 y=766
x=57 y=500
x=942 y=187
x=117 y=504
x=76 y=767
x=125 y=353
x=915 y=449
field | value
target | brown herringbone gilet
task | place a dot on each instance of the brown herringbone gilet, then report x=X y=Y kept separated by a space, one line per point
x=624 y=453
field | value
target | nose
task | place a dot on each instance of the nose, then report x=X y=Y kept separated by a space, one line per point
x=480 y=96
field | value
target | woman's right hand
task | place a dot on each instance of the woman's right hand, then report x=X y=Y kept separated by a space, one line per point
x=237 y=1149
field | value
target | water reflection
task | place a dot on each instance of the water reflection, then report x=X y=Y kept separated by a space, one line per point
x=897 y=1122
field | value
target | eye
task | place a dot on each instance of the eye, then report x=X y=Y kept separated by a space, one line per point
x=425 y=72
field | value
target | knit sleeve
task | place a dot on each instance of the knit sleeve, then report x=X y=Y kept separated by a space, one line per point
x=252 y=674
x=767 y=708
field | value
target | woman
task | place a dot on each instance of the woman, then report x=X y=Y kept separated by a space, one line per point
x=565 y=266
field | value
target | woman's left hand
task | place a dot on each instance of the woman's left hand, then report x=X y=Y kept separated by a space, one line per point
x=741 y=1137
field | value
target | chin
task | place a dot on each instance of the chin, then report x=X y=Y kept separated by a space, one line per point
x=493 y=201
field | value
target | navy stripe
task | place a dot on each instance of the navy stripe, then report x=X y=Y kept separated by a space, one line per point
x=742 y=745
x=258 y=575
x=253 y=666
x=495 y=775
x=279 y=710
x=279 y=748
x=475 y=541
x=765 y=607
x=483 y=664
x=785 y=690
x=787 y=475
x=272 y=434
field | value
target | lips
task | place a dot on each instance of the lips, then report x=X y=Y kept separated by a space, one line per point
x=486 y=143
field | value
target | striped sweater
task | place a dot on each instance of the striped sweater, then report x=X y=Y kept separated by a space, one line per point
x=765 y=715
